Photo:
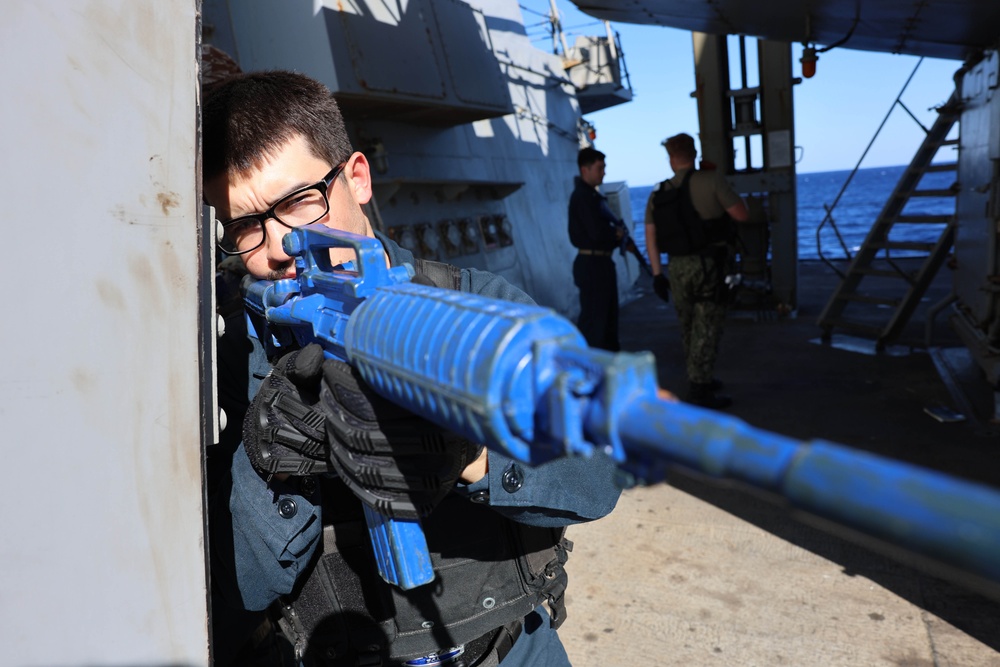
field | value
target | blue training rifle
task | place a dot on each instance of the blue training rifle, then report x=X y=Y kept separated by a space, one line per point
x=521 y=380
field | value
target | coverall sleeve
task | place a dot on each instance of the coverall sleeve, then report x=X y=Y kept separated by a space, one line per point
x=275 y=531
x=557 y=493
x=263 y=533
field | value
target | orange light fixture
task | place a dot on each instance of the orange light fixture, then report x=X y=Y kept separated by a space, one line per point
x=808 y=61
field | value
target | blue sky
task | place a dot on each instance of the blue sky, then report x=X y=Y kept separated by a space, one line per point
x=837 y=111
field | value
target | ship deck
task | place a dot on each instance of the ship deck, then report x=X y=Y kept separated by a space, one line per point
x=694 y=572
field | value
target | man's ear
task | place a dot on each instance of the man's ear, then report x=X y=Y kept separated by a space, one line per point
x=216 y=193
x=359 y=178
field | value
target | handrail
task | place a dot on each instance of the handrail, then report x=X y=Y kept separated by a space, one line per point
x=623 y=76
x=829 y=209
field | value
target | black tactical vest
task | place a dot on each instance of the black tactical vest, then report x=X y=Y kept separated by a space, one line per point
x=490 y=572
x=679 y=229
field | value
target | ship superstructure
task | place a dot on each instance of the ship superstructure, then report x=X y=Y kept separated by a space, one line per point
x=473 y=131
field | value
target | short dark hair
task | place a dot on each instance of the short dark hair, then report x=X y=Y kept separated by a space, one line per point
x=588 y=156
x=249 y=116
x=680 y=145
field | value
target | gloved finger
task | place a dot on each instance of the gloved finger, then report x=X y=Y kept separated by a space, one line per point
x=282 y=431
x=306 y=366
x=393 y=460
x=356 y=399
x=421 y=279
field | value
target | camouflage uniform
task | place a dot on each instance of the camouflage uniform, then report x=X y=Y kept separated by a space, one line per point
x=694 y=282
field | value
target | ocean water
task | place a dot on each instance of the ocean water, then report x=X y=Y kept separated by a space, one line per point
x=854 y=214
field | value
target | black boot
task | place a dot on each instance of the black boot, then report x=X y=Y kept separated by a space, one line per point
x=701 y=394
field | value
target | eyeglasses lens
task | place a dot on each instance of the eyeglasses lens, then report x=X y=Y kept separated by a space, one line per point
x=298 y=209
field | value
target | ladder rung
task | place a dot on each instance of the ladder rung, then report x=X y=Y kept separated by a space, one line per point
x=902 y=245
x=878 y=240
x=881 y=273
x=942 y=166
x=867 y=298
x=925 y=219
x=932 y=193
x=857 y=327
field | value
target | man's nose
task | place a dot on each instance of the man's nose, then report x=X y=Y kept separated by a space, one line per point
x=274 y=231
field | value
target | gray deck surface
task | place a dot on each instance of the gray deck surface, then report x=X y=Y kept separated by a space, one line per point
x=695 y=573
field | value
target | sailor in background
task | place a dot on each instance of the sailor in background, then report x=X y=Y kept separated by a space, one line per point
x=697 y=225
x=595 y=233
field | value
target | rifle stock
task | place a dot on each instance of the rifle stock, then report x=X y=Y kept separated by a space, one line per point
x=628 y=245
x=521 y=380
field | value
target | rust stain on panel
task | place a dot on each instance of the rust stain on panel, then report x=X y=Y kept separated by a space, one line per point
x=168 y=200
x=110 y=295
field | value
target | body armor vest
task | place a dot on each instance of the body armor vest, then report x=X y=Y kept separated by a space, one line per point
x=680 y=230
x=490 y=572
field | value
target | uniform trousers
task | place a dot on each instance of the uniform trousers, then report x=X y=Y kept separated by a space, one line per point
x=695 y=283
x=597 y=280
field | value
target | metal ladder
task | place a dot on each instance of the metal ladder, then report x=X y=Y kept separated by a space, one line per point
x=899 y=290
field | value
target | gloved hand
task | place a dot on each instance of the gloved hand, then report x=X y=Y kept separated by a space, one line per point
x=661 y=285
x=398 y=463
x=316 y=415
x=284 y=430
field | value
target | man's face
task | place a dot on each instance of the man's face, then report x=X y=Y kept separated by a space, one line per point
x=593 y=174
x=291 y=168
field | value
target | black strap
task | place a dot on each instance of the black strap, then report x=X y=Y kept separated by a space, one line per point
x=505 y=641
x=490 y=649
x=442 y=275
x=686 y=179
x=558 y=580
x=686 y=194
x=684 y=187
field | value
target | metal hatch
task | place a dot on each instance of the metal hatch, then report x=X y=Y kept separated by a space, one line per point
x=381 y=60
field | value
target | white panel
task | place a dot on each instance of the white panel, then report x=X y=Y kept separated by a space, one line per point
x=101 y=538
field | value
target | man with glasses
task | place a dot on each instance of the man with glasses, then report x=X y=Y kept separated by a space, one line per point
x=277 y=156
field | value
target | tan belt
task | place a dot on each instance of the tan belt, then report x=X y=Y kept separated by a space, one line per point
x=598 y=253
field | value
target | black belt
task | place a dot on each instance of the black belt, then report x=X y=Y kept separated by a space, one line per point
x=498 y=642
x=598 y=253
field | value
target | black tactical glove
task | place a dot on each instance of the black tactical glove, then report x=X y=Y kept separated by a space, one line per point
x=661 y=285
x=396 y=462
x=315 y=415
x=284 y=430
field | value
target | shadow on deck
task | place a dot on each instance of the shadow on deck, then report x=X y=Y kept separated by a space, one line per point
x=783 y=379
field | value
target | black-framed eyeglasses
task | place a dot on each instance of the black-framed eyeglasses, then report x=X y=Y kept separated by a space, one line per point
x=302 y=207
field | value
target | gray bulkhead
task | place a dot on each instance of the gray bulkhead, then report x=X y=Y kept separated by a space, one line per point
x=976 y=266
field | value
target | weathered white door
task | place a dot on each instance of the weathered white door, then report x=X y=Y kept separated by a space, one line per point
x=101 y=429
